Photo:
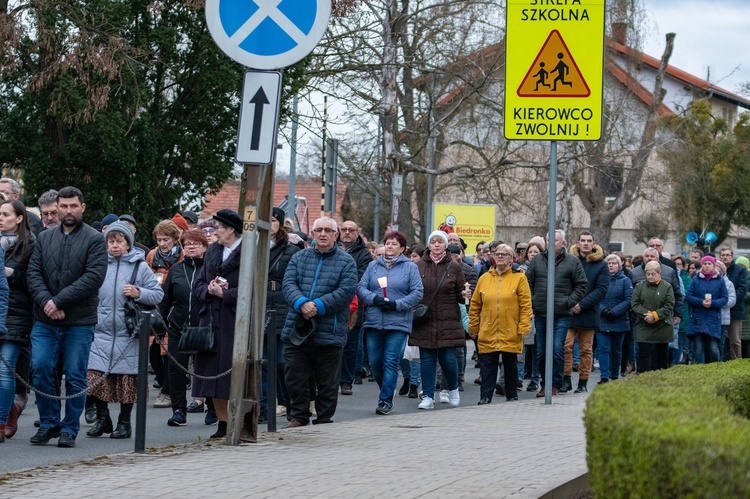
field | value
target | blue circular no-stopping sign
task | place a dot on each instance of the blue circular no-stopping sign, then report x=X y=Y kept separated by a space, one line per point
x=267 y=34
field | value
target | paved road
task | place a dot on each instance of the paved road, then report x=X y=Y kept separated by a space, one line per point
x=17 y=454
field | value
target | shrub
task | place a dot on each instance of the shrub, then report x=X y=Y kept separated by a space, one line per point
x=682 y=432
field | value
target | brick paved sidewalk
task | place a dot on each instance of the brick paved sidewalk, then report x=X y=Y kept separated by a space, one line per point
x=520 y=449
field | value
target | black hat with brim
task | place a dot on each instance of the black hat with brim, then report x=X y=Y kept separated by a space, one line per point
x=230 y=219
x=303 y=329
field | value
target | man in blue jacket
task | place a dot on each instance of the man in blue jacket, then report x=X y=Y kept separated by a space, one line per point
x=319 y=284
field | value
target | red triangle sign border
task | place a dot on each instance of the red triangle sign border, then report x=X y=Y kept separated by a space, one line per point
x=536 y=60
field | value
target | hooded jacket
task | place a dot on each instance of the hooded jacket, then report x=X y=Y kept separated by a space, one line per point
x=598 y=279
x=570 y=283
x=111 y=337
x=500 y=311
x=404 y=288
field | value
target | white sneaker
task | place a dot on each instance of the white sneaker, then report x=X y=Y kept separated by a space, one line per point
x=444 y=397
x=313 y=413
x=281 y=410
x=162 y=401
x=427 y=403
x=454 y=398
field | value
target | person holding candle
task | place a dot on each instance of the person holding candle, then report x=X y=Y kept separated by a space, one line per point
x=391 y=287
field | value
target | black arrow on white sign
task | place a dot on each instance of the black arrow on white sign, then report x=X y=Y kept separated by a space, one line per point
x=260 y=100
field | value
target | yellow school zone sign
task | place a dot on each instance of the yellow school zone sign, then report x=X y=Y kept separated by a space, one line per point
x=554 y=59
x=472 y=222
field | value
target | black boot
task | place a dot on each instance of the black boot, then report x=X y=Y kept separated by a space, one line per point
x=567 y=385
x=102 y=425
x=123 y=429
x=221 y=431
x=413 y=391
x=405 y=387
x=582 y=386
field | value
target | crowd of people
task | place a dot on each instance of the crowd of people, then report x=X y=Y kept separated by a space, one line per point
x=346 y=309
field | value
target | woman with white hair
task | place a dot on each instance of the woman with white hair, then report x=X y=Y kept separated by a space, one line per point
x=653 y=306
x=614 y=320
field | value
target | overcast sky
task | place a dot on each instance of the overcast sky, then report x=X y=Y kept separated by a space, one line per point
x=710 y=34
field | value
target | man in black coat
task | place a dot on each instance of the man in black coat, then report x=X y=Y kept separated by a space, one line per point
x=738 y=275
x=585 y=320
x=352 y=243
x=66 y=270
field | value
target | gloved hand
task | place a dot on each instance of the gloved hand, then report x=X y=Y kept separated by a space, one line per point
x=379 y=301
x=389 y=305
x=609 y=314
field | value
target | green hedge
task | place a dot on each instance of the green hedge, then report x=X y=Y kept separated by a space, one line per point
x=682 y=432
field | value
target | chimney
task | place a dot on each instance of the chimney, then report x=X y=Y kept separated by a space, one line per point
x=619 y=32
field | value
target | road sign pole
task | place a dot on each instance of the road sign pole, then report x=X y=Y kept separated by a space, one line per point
x=550 y=322
x=245 y=388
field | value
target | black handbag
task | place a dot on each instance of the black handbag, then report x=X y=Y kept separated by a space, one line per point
x=419 y=313
x=196 y=339
x=134 y=312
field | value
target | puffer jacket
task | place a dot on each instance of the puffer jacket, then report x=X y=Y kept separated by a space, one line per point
x=597 y=277
x=443 y=327
x=330 y=281
x=111 y=337
x=738 y=275
x=706 y=320
x=500 y=311
x=619 y=294
x=659 y=299
x=726 y=317
x=362 y=257
x=570 y=283
x=404 y=288
x=68 y=269
x=20 y=316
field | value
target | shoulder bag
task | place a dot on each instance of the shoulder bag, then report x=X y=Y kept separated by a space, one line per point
x=421 y=309
x=134 y=311
x=196 y=339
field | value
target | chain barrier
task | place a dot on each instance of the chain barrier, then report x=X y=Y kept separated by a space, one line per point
x=119 y=359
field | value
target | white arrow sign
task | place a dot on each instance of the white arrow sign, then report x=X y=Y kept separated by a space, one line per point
x=259 y=117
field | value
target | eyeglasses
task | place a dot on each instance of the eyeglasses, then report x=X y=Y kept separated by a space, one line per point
x=327 y=230
x=503 y=255
x=49 y=213
x=487 y=251
x=210 y=230
x=189 y=244
x=346 y=229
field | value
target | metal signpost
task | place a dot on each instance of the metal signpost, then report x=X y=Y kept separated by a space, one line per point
x=554 y=59
x=263 y=35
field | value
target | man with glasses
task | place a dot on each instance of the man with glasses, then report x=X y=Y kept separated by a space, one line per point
x=319 y=284
x=48 y=208
x=738 y=276
x=354 y=245
x=656 y=243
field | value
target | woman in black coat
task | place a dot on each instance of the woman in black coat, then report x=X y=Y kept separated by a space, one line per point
x=281 y=252
x=180 y=308
x=16 y=241
x=217 y=287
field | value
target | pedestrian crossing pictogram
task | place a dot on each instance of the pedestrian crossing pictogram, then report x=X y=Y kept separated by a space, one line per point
x=554 y=72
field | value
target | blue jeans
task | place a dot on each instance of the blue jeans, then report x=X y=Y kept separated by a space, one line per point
x=609 y=353
x=351 y=352
x=429 y=357
x=706 y=348
x=559 y=332
x=385 y=349
x=10 y=351
x=73 y=343
x=410 y=369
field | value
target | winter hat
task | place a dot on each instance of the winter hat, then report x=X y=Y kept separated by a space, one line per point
x=538 y=240
x=708 y=258
x=180 y=221
x=230 y=219
x=123 y=228
x=438 y=233
x=109 y=219
x=128 y=218
x=743 y=261
x=278 y=214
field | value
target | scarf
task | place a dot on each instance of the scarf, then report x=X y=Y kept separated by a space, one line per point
x=708 y=275
x=389 y=260
x=437 y=258
x=166 y=260
x=8 y=240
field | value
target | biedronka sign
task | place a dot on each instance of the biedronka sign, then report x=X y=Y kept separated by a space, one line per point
x=554 y=58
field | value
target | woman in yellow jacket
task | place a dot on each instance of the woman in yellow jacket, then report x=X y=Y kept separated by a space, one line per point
x=499 y=318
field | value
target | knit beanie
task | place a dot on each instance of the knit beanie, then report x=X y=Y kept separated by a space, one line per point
x=123 y=228
x=708 y=258
x=438 y=233
x=743 y=261
x=180 y=221
x=538 y=240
